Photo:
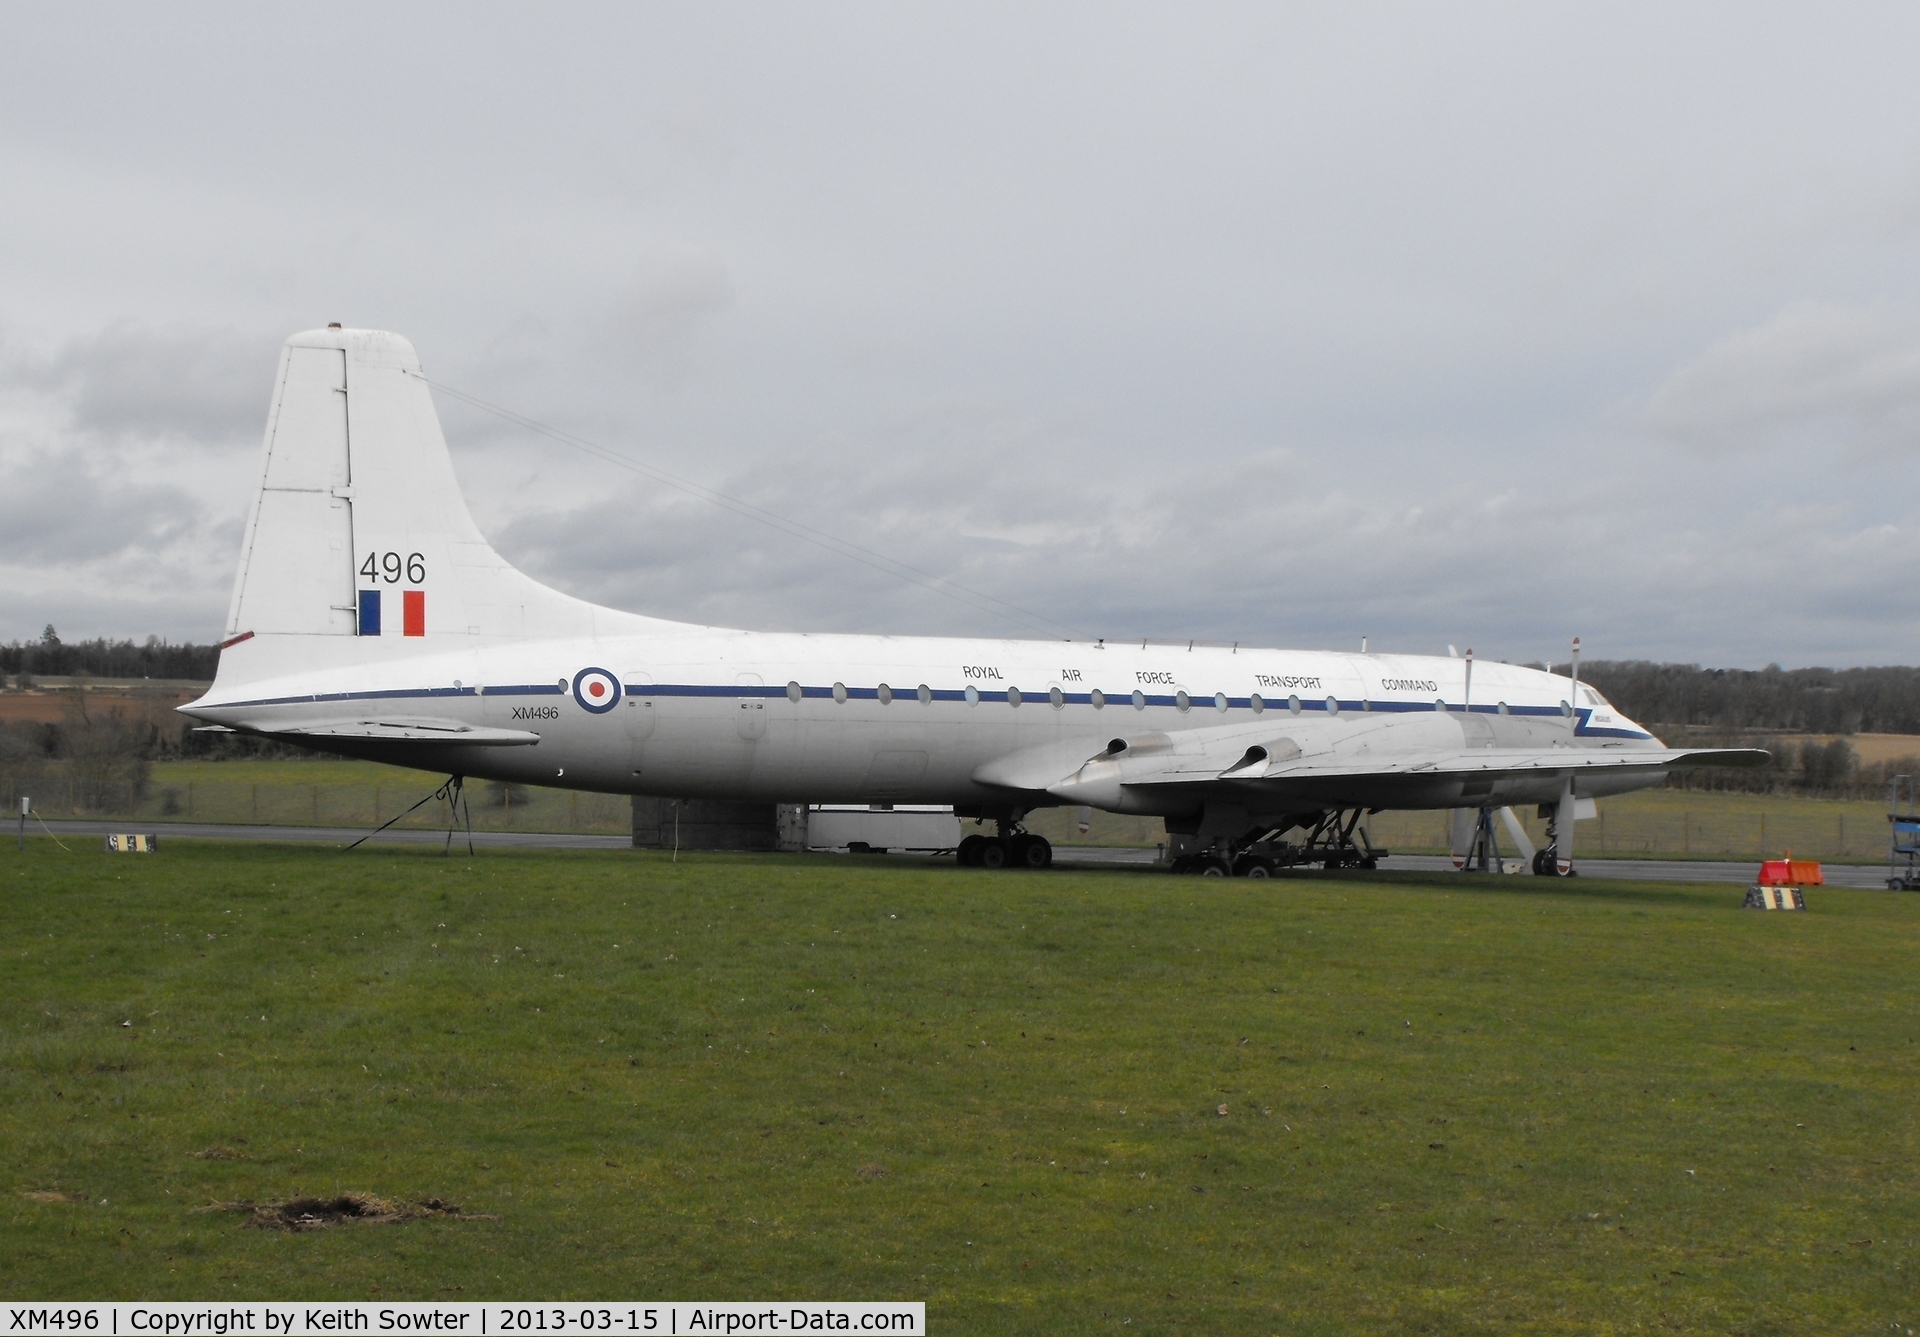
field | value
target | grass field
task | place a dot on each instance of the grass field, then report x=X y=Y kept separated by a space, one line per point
x=1053 y=1102
x=330 y=792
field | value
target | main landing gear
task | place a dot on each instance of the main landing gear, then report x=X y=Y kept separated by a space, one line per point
x=1011 y=848
x=1333 y=840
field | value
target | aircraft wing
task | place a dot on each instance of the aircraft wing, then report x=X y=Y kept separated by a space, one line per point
x=405 y=730
x=1253 y=765
x=1253 y=759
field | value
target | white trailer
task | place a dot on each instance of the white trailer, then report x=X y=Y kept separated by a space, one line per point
x=908 y=828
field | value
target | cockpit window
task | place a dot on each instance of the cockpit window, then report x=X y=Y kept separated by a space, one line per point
x=1593 y=697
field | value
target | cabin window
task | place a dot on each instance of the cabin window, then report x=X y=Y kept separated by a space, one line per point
x=926 y=695
x=1440 y=704
x=793 y=691
x=1098 y=697
x=1056 y=698
x=1182 y=700
x=840 y=692
x=973 y=695
x=885 y=694
x=1220 y=701
x=1257 y=703
x=1366 y=703
x=1566 y=708
x=1333 y=705
x=1139 y=699
x=1013 y=696
x=1502 y=709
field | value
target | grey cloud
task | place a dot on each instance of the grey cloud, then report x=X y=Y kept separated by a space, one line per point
x=61 y=508
x=651 y=324
x=135 y=380
x=1215 y=323
x=1815 y=372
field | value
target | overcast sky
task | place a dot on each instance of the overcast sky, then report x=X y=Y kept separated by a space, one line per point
x=1433 y=324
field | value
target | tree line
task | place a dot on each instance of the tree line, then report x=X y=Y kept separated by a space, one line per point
x=1810 y=700
x=101 y=658
x=1691 y=706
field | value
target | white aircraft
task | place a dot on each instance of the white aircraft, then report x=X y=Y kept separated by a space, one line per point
x=371 y=618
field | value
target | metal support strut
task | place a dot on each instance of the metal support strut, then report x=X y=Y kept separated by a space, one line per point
x=454 y=792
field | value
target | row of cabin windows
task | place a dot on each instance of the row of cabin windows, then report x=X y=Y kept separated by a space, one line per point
x=1181 y=700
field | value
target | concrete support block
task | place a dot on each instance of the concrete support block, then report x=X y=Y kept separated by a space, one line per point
x=703 y=824
x=790 y=825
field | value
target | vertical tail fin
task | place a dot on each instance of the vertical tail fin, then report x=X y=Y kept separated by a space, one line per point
x=359 y=544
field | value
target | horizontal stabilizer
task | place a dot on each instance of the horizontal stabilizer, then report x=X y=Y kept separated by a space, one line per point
x=438 y=732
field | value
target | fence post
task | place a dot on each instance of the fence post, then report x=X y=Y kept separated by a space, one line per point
x=1686 y=832
x=189 y=800
x=1843 y=835
x=316 y=805
x=255 y=800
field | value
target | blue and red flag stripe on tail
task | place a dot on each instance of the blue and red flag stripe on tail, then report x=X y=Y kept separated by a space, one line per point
x=413 y=613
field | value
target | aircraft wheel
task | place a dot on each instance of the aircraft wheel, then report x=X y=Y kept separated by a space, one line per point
x=1258 y=869
x=1214 y=867
x=1182 y=864
x=1541 y=866
x=968 y=855
x=993 y=853
x=1031 y=851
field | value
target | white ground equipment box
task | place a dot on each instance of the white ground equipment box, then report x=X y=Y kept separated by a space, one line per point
x=905 y=828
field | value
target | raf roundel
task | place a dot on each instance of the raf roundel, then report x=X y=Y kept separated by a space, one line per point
x=596 y=690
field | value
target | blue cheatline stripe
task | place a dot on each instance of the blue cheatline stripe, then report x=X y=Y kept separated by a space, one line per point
x=369 y=612
x=909 y=696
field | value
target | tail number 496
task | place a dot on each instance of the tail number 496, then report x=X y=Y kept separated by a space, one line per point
x=391 y=566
